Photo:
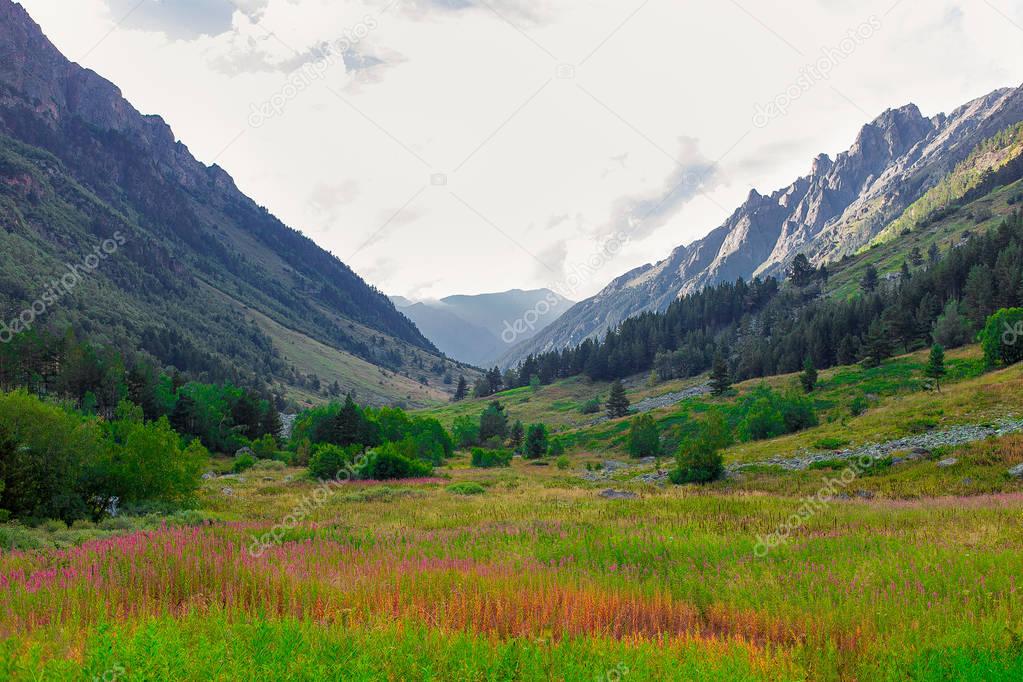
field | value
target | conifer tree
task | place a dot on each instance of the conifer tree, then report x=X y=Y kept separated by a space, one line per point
x=720 y=377
x=935 y=368
x=809 y=376
x=617 y=401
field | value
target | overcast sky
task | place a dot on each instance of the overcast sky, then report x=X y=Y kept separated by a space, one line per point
x=465 y=146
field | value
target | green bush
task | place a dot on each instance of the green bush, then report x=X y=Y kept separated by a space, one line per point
x=328 y=461
x=466 y=431
x=467 y=488
x=46 y=456
x=386 y=463
x=563 y=462
x=768 y=414
x=243 y=463
x=265 y=447
x=591 y=406
x=556 y=448
x=489 y=459
x=859 y=405
x=699 y=460
x=1002 y=337
x=644 y=440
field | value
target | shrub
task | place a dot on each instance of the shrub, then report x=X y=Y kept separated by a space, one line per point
x=859 y=405
x=563 y=462
x=385 y=463
x=536 y=441
x=467 y=488
x=1002 y=337
x=146 y=463
x=768 y=414
x=591 y=406
x=328 y=461
x=243 y=463
x=466 y=431
x=489 y=459
x=265 y=447
x=644 y=440
x=556 y=448
x=831 y=443
x=700 y=461
x=45 y=454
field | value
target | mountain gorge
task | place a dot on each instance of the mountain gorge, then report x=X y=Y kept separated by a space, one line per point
x=204 y=279
x=834 y=211
x=478 y=329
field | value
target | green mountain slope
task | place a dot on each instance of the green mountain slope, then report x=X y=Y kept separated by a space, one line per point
x=196 y=258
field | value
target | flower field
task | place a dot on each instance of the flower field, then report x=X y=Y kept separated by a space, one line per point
x=536 y=579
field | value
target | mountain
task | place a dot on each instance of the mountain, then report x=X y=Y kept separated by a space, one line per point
x=202 y=278
x=479 y=329
x=835 y=210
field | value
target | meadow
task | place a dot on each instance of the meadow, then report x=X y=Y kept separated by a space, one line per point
x=527 y=573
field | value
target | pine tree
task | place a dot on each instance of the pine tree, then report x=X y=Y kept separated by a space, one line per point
x=460 y=390
x=493 y=422
x=878 y=345
x=935 y=368
x=809 y=376
x=536 y=441
x=617 y=401
x=869 y=281
x=801 y=273
x=517 y=433
x=347 y=424
x=720 y=377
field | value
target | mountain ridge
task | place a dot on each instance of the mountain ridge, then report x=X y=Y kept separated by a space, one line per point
x=102 y=166
x=834 y=210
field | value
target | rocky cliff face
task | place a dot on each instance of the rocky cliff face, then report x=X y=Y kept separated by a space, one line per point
x=834 y=210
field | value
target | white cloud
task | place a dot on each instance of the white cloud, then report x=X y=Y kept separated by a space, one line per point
x=477 y=91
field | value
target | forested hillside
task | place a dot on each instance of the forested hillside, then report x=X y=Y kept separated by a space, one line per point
x=201 y=277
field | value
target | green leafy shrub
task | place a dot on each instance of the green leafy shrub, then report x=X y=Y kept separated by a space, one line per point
x=1002 y=337
x=591 y=406
x=265 y=447
x=386 y=463
x=466 y=488
x=644 y=439
x=488 y=459
x=859 y=405
x=768 y=414
x=563 y=462
x=831 y=443
x=699 y=460
x=556 y=448
x=328 y=460
x=243 y=463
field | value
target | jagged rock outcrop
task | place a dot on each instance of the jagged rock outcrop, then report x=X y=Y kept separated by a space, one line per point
x=834 y=210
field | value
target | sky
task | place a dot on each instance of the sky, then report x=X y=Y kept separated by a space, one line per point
x=464 y=146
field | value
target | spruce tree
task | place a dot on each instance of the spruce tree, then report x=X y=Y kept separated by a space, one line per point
x=720 y=377
x=460 y=390
x=809 y=376
x=517 y=433
x=935 y=368
x=347 y=424
x=617 y=401
x=869 y=281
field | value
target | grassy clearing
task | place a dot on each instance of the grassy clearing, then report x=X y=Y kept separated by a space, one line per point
x=537 y=578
